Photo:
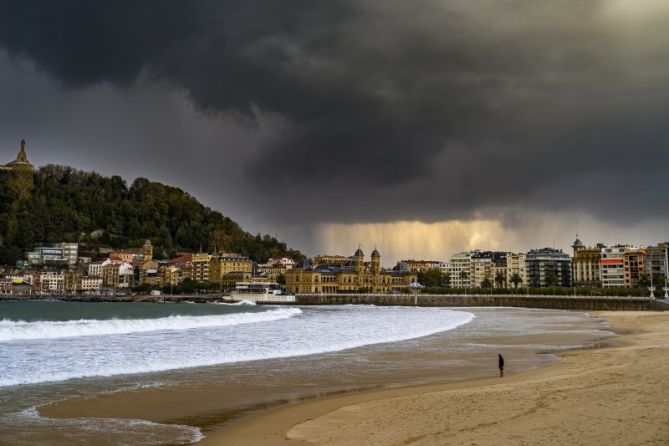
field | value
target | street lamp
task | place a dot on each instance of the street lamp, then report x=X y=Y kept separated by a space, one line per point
x=666 y=271
x=651 y=287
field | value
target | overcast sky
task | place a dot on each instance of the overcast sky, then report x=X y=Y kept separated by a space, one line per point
x=422 y=127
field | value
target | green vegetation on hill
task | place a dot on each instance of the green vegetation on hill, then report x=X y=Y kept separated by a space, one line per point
x=56 y=203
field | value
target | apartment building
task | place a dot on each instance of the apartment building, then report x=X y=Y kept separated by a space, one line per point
x=612 y=266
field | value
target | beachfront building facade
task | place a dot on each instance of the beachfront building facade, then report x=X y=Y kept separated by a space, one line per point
x=91 y=284
x=116 y=274
x=612 y=266
x=52 y=282
x=169 y=275
x=487 y=268
x=516 y=270
x=443 y=267
x=655 y=261
x=500 y=275
x=354 y=276
x=226 y=269
x=634 y=264
x=548 y=267
x=459 y=267
x=481 y=269
x=201 y=267
x=586 y=264
x=72 y=281
x=178 y=269
x=146 y=271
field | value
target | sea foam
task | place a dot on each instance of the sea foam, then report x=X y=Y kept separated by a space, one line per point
x=22 y=330
x=87 y=430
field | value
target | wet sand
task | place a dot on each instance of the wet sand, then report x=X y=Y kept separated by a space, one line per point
x=618 y=395
x=247 y=389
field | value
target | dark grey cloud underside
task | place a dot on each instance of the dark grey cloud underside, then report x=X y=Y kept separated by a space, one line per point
x=394 y=110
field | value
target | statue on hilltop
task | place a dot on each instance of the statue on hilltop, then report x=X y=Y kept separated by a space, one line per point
x=22 y=157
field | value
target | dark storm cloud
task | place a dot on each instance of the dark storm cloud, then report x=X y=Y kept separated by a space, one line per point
x=394 y=109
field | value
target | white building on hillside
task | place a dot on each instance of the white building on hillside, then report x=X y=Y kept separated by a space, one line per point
x=70 y=252
x=286 y=262
x=95 y=268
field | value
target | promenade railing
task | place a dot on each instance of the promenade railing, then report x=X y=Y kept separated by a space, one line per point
x=497 y=296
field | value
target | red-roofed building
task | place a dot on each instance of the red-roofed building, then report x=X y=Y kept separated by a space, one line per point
x=183 y=258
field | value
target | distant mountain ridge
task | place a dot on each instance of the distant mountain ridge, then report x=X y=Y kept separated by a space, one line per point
x=59 y=203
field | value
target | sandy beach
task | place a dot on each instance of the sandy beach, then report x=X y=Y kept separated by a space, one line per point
x=618 y=395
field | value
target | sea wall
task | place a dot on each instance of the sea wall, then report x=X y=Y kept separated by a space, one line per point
x=613 y=303
x=588 y=303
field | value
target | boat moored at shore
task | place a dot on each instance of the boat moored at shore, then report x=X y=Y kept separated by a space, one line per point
x=265 y=292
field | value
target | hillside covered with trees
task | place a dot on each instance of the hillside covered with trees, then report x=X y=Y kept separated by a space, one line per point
x=57 y=203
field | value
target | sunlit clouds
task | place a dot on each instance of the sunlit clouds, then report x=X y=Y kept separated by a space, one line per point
x=437 y=241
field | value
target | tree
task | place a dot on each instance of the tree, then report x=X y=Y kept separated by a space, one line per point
x=464 y=275
x=446 y=280
x=56 y=204
x=500 y=279
x=660 y=281
x=281 y=279
x=431 y=278
x=142 y=288
x=644 y=281
x=550 y=279
x=516 y=280
x=187 y=286
x=20 y=183
x=486 y=283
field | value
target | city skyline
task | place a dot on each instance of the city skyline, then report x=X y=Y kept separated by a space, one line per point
x=472 y=124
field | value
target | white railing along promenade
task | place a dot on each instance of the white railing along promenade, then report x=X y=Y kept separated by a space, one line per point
x=503 y=296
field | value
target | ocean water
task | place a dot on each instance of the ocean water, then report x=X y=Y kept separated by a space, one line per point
x=54 y=350
x=125 y=340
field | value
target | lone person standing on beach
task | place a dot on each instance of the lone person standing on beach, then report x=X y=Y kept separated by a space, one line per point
x=500 y=360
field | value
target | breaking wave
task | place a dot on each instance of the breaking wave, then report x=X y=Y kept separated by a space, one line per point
x=21 y=330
